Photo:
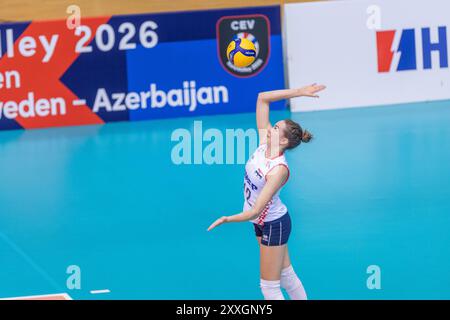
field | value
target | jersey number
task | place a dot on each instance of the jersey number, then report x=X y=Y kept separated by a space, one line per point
x=248 y=193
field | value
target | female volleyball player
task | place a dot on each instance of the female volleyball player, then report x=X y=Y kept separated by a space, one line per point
x=265 y=173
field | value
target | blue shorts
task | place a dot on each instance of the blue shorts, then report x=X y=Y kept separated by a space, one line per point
x=276 y=232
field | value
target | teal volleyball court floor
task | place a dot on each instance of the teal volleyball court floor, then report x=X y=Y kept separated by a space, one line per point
x=372 y=189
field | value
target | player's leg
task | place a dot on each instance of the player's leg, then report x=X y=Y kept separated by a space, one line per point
x=270 y=288
x=272 y=250
x=290 y=281
x=271 y=263
x=287 y=259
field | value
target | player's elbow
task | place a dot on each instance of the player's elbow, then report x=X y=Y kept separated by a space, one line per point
x=262 y=96
x=255 y=213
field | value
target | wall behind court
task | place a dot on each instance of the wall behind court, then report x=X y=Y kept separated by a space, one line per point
x=24 y=10
x=369 y=52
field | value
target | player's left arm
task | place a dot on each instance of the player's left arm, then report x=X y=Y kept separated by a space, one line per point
x=275 y=181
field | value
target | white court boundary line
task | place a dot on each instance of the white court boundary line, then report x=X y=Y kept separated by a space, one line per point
x=100 y=291
x=64 y=295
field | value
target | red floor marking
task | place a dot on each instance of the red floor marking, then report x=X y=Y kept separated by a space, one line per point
x=57 y=296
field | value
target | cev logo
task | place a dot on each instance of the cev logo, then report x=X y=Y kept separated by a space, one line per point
x=238 y=25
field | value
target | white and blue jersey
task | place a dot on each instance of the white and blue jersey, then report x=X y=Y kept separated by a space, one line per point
x=256 y=170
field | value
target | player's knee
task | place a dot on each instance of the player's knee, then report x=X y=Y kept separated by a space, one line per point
x=271 y=289
x=292 y=284
x=289 y=279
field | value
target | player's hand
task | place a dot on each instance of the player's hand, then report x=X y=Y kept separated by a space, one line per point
x=311 y=90
x=218 y=222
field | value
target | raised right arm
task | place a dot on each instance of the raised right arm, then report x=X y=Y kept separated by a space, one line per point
x=265 y=98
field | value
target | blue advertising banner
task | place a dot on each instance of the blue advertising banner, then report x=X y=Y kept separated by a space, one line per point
x=136 y=67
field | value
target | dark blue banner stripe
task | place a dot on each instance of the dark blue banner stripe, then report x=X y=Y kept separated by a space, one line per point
x=197 y=25
x=17 y=29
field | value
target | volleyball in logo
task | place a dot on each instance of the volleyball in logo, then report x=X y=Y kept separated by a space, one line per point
x=241 y=51
x=250 y=37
